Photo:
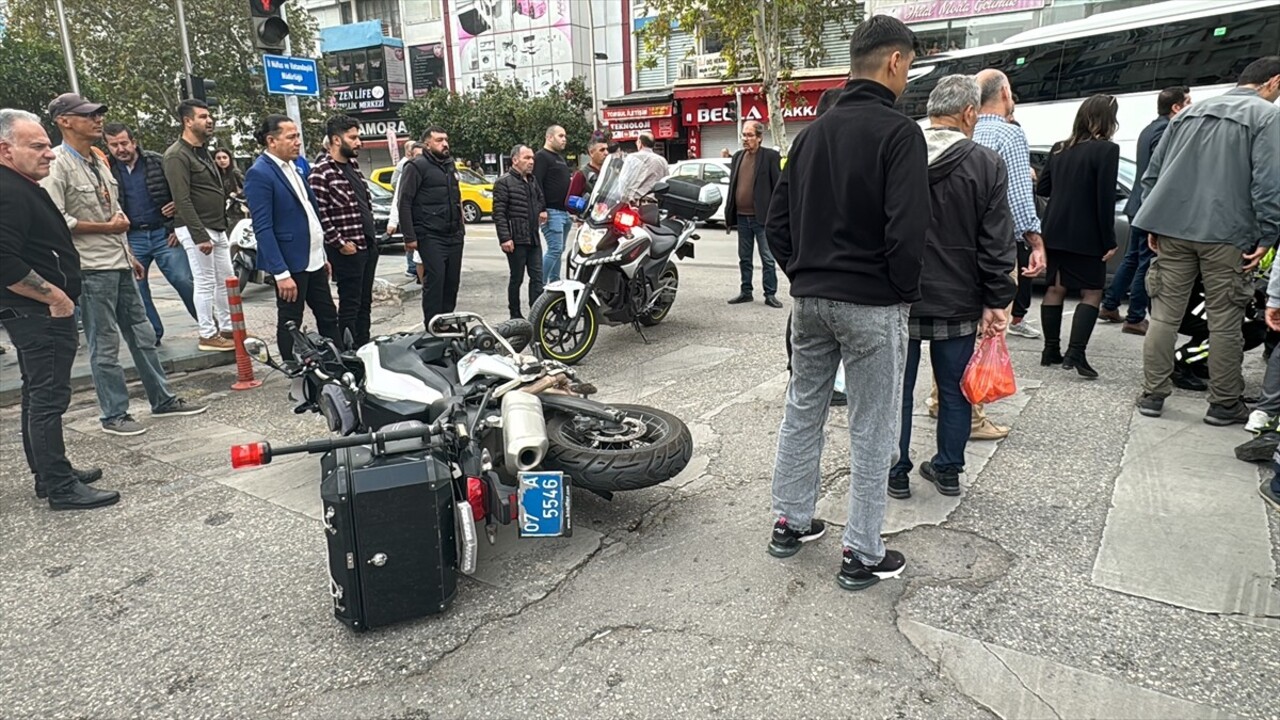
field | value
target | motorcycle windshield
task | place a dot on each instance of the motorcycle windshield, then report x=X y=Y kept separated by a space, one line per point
x=611 y=187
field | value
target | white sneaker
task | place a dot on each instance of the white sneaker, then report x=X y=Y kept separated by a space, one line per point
x=1024 y=329
x=1259 y=421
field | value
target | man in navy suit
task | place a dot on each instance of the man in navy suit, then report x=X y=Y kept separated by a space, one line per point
x=286 y=223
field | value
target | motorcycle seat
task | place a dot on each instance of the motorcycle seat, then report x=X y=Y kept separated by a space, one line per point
x=664 y=236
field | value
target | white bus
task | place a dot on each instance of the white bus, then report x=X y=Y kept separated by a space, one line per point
x=1132 y=54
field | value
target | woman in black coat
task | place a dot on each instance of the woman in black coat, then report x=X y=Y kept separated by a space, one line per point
x=1079 y=228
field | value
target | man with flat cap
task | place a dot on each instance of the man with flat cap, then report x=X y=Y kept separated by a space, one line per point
x=85 y=192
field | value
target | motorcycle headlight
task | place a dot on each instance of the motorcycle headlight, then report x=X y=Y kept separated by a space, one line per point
x=588 y=239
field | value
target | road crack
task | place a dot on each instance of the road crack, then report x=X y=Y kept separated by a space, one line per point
x=1021 y=682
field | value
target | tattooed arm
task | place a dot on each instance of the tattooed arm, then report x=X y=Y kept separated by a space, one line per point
x=37 y=288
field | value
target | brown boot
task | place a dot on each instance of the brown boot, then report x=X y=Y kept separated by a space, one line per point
x=1138 y=328
x=1110 y=316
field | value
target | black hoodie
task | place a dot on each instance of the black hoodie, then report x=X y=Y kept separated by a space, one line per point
x=970 y=250
x=847 y=221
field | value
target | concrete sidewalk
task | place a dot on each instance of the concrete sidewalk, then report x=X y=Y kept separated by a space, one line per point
x=178 y=349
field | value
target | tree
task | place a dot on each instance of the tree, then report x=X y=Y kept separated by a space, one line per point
x=769 y=39
x=502 y=115
x=129 y=56
x=28 y=69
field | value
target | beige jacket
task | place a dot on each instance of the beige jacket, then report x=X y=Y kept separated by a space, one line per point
x=77 y=192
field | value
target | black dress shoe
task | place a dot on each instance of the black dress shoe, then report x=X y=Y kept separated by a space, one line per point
x=742 y=298
x=78 y=496
x=92 y=475
x=772 y=301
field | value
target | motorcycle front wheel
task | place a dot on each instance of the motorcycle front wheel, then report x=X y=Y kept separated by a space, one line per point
x=648 y=447
x=244 y=273
x=562 y=338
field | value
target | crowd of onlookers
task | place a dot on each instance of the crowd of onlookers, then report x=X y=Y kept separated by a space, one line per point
x=932 y=235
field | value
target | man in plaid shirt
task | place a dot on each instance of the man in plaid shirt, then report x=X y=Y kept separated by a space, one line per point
x=346 y=214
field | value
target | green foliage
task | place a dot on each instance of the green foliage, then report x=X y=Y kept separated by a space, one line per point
x=763 y=39
x=502 y=115
x=129 y=56
x=28 y=68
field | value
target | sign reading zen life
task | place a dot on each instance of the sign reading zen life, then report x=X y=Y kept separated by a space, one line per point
x=291 y=75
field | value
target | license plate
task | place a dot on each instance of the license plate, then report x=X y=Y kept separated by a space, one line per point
x=544 y=505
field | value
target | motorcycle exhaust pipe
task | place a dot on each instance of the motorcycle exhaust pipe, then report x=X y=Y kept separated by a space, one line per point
x=524 y=430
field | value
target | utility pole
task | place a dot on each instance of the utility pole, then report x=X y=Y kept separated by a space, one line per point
x=291 y=107
x=66 y=48
x=186 y=48
x=595 y=90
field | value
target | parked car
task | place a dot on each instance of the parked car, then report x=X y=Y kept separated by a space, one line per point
x=477 y=192
x=1124 y=185
x=711 y=169
x=380 y=200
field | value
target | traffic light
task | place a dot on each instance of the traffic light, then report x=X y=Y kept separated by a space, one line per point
x=268 y=27
x=731 y=111
x=194 y=87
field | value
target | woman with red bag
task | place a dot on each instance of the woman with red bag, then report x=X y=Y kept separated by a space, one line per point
x=1079 y=229
x=965 y=284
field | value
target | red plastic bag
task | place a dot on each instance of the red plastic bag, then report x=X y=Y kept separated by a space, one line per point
x=989 y=375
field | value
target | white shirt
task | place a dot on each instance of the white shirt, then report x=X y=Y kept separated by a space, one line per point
x=294 y=177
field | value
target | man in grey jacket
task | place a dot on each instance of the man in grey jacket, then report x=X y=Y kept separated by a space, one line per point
x=1211 y=206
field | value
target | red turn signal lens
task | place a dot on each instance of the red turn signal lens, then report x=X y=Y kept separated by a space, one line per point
x=475 y=496
x=625 y=219
x=249 y=455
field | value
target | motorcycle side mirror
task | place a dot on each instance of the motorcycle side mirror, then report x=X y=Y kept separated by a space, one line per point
x=258 y=350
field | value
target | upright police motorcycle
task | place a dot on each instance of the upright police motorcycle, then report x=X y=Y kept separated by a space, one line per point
x=621 y=269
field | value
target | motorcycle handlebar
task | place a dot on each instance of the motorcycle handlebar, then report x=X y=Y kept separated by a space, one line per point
x=262 y=453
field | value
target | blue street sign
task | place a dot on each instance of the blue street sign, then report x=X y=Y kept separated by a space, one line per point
x=291 y=75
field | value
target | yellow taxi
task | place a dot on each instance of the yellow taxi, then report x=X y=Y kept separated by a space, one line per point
x=477 y=192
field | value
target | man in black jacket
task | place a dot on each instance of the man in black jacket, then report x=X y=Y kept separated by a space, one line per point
x=1131 y=275
x=39 y=285
x=431 y=206
x=145 y=198
x=753 y=174
x=966 y=283
x=518 y=209
x=847 y=223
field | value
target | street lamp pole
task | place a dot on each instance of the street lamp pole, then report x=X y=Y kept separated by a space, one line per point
x=66 y=48
x=291 y=107
x=595 y=89
x=186 y=48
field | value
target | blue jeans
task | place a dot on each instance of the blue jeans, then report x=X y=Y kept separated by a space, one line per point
x=872 y=344
x=113 y=308
x=555 y=232
x=750 y=238
x=148 y=245
x=949 y=359
x=1131 y=278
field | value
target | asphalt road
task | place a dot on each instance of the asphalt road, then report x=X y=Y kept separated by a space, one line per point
x=1097 y=565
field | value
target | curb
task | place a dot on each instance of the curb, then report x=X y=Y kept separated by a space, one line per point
x=173 y=366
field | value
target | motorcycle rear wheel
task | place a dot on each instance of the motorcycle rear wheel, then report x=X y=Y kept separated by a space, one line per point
x=653 y=447
x=550 y=316
x=663 y=306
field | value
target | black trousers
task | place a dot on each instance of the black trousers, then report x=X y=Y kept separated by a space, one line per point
x=442 y=262
x=355 y=275
x=524 y=260
x=46 y=350
x=313 y=290
x=1022 y=301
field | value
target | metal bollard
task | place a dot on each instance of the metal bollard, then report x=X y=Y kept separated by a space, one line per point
x=244 y=367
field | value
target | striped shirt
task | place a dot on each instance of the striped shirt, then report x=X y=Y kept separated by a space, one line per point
x=1010 y=143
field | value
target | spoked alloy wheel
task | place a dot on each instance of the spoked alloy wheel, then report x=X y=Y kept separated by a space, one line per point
x=648 y=447
x=562 y=338
x=670 y=276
